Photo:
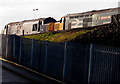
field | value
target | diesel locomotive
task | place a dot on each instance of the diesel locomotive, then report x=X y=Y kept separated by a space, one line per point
x=67 y=22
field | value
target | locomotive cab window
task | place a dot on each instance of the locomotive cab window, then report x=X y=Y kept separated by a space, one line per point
x=34 y=27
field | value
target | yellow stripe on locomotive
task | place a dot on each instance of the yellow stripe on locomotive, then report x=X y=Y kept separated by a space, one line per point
x=58 y=26
x=55 y=26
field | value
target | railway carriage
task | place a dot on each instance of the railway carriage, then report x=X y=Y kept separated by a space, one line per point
x=70 y=21
x=91 y=18
x=27 y=27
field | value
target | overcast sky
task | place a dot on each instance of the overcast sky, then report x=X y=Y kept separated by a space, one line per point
x=18 y=10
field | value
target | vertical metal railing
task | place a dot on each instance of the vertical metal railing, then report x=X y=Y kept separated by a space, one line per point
x=14 y=46
x=64 y=62
x=46 y=53
x=6 y=46
x=90 y=63
x=74 y=58
x=32 y=50
x=20 y=51
x=0 y=45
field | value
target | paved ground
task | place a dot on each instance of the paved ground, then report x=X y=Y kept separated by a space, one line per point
x=10 y=77
x=12 y=74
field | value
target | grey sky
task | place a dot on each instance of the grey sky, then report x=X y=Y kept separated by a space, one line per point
x=18 y=10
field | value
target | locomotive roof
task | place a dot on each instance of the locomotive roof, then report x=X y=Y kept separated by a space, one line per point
x=39 y=19
x=93 y=12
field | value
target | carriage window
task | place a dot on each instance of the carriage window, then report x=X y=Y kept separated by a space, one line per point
x=34 y=27
x=81 y=16
x=87 y=20
x=6 y=27
x=86 y=15
x=76 y=16
x=71 y=17
x=90 y=15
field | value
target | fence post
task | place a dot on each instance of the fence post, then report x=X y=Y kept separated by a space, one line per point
x=13 y=46
x=90 y=62
x=0 y=45
x=64 y=62
x=46 y=53
x=32 y=48
x=6 y=46
x=20 y=50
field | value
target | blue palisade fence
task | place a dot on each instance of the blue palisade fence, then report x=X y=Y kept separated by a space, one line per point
x=66 y=61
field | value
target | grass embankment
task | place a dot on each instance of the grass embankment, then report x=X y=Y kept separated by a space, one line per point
x=58 y=36
x=106 y=34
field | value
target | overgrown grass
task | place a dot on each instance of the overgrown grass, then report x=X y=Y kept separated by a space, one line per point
x=58 y=37
x=108 y=34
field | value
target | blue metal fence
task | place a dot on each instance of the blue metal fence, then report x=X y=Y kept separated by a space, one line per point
x=68 y=62
x=105 y=64
x=77 y=62
x=4 y=43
